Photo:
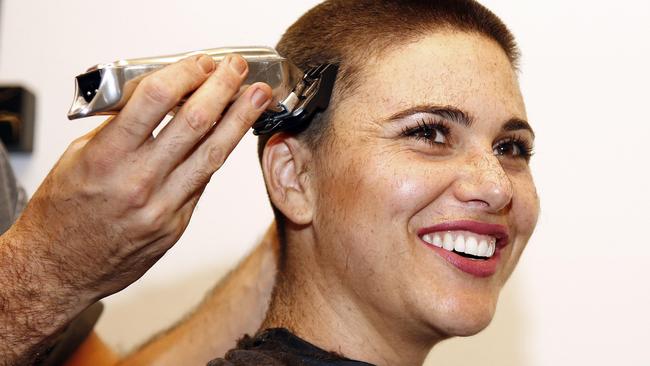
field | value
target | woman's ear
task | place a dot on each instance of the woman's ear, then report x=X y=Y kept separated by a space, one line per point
x=285 y=164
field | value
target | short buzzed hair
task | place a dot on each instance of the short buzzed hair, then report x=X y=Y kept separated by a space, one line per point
x=350 y=32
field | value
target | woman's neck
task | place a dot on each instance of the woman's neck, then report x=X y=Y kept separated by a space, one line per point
x=318 y=309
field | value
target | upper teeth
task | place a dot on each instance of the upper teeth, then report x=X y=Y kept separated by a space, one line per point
x=463 y=242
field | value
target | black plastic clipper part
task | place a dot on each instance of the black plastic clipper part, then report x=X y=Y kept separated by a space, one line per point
x=89 y=84
x=313 y=93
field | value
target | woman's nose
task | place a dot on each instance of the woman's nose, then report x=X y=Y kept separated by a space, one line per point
x=482 y=182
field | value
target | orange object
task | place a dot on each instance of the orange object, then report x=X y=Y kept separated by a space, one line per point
x=93 y=351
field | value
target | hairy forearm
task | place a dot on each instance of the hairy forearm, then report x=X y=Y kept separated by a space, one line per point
x=236 y=306
x=34 y=306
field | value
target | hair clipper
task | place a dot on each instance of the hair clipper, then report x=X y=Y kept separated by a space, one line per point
x=105 y=88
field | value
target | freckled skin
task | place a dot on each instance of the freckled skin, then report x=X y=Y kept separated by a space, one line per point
x=370 y=289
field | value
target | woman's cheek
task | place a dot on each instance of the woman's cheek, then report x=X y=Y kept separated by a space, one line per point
x=525 y=208
x=416 y=186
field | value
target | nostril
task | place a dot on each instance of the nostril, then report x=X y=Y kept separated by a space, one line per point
x=478 y=204
x=483 y=184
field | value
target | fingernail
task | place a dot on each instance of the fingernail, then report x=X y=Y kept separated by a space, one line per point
x=237 y=63
x=206 y=64
x=260 y=99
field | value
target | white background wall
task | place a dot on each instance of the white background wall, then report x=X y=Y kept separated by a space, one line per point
x=581 y=294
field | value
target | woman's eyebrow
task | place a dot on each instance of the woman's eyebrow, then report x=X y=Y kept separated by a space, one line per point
x=450 y=113
x=516 y=124
x=454 y=114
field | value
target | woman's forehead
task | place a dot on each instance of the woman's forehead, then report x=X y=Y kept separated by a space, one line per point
x=464 y=70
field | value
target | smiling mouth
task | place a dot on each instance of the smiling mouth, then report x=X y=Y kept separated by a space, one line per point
x=473 y=247
x=464 y=243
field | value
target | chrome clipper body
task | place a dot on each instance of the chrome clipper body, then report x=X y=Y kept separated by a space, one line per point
x=104 y=89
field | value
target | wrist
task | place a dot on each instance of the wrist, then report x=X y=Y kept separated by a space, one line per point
x=34 y=304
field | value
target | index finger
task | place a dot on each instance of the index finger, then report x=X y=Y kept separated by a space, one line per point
x=153 y=98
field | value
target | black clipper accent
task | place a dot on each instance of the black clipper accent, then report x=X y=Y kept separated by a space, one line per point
x=313 y=95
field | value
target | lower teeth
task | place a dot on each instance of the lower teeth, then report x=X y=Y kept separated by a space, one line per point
x=469 y=256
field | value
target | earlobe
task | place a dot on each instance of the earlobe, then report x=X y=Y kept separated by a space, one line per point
x=284 y=163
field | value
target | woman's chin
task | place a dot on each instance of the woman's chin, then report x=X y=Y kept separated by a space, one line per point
x=468 y=327
x=462 y=319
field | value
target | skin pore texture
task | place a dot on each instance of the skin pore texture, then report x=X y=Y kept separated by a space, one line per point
x=358 y=279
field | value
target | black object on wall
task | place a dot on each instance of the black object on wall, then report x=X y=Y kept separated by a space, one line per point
x=17 y=107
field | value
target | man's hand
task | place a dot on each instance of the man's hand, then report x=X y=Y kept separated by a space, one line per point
x=119 y=198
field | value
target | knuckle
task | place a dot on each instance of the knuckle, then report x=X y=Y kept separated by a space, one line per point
x=199 y=179
x=230 y=81
x=192 y=69
x=154 y=219
x=216 y=157
x=155 y=90
x=137 y=194
x=132 y=126
x=197 y=118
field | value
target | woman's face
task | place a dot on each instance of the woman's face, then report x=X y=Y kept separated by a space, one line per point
x=431 y=150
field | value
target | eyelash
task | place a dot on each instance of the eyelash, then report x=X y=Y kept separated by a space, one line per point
x=524 y=147
x=423 y=130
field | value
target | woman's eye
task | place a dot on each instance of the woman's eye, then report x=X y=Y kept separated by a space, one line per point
x=431 y=133
x=513 y=148
x=507 y=148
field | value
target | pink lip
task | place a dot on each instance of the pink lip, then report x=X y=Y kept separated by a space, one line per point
x=477 y=268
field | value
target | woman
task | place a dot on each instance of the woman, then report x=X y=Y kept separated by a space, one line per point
x=405 y=207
